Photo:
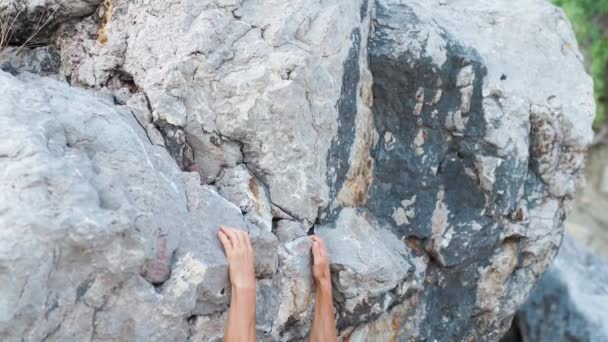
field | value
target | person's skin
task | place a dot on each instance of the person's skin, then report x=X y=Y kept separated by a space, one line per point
x=241 y=316
x=240 y=326
x=323 y=324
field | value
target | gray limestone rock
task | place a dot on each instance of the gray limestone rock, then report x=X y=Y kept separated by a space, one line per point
x=433 y=144
x=209 y=328
x=266 y=257
x=570 y=301
x=294 y=294
x=377 y=276
x=288 y=230
x=265 y=306
x=85 y=199
x=225 y=72
x=240 y=187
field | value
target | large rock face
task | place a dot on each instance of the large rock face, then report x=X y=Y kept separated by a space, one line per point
x=432 y=144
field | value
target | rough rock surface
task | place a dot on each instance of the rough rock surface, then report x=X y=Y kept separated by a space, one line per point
x=41 y=60
x=570 y=301
x=432 y=144
x=88 y=205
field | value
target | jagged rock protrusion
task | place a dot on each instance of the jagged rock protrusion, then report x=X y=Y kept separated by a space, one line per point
x=240 y=187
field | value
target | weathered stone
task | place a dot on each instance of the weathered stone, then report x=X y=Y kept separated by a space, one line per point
x=252 y=78
x=135 y=310
x=400 y=323
x=288 y=230
x=570 y=300
x=212 y=154
x=86 y=58
x=85 y=186
x=294 y=295
x=209 y=328
x=42 y=60
x=240 y=187
x=432 y=144
x=266 y=309
x=266 y=257
x=374 y=278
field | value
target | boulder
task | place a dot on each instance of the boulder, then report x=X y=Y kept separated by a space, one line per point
x=434 y=145
x=472 y=166
x=570 y=301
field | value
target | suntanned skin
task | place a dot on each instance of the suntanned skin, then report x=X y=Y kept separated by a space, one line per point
x=323 y=324
x=241 y=317
x=240 y=326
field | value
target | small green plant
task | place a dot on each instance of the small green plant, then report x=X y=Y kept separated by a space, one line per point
x=590 y=21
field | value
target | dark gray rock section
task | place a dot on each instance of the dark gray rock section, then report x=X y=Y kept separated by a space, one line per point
x=44 y=60
x=452 y=297
x=400 y=173
x=339 y=153
x=447 y=154
x=364 y=9
x=364 y=313
x=177 y=145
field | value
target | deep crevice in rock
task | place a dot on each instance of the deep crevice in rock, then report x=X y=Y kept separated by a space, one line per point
x=177 y=145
